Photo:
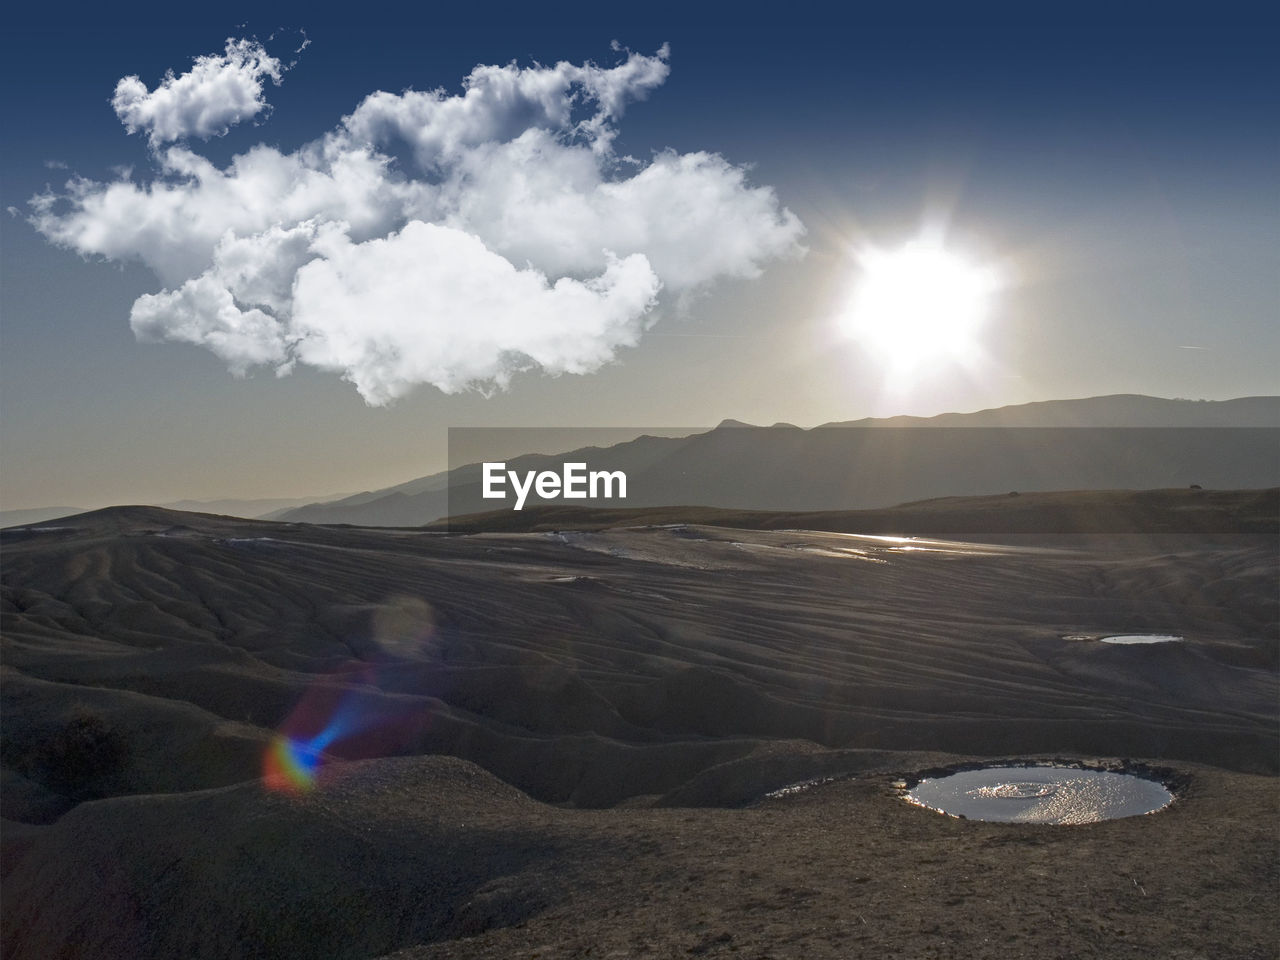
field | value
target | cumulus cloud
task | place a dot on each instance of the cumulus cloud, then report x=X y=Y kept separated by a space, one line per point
x=217 y=93
x=429 y=237
x=441 y=308
x=203 y=311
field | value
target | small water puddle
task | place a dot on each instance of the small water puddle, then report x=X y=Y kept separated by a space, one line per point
x=1040 y=794
x=1126 y=639
x=803 y=786
x=1142 y=638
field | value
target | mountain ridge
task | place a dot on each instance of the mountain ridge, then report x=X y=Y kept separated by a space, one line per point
x=736 y=448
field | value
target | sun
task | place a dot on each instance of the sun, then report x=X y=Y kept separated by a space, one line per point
x=918 y=304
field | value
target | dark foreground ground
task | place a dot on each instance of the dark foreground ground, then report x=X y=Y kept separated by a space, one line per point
x=560 y=743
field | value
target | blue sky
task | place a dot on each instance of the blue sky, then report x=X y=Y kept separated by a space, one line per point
x=1121 y=170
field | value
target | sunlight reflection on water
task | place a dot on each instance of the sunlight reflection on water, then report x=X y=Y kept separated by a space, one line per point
x=1060 y=795
x=1142 y=638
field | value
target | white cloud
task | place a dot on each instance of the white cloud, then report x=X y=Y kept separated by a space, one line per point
x=174 y=224
x=204 y=312
x=500 y=103
x=439 y=307
x=692 y=214
x=508 y=238
x=214 y=95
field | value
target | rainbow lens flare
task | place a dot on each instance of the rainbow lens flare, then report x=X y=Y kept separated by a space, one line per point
x=370 y=708
x=292 y=762
x=290 y=766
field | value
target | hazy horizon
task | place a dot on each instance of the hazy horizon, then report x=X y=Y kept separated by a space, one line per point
x=489 y=443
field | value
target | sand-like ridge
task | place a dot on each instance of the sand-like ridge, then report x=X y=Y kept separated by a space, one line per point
x=672 y=674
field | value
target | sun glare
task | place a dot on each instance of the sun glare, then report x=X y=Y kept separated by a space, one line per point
x=919 y=303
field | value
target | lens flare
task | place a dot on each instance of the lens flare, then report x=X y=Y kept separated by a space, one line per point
x=292 y=763
x=369 y=708
x=290 y=766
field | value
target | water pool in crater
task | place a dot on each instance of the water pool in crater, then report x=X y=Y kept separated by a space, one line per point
x=1126 y=638
x=1040 y=794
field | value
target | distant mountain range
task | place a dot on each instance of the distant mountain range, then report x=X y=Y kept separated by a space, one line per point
x=1096 y=443
x=1117 y=410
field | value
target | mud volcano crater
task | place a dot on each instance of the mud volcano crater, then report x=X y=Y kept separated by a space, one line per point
x=1043 y=791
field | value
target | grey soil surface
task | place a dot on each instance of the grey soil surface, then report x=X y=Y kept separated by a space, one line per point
x=557 y=745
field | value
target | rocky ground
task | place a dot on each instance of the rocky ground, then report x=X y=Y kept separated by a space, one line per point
x=559 y=743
